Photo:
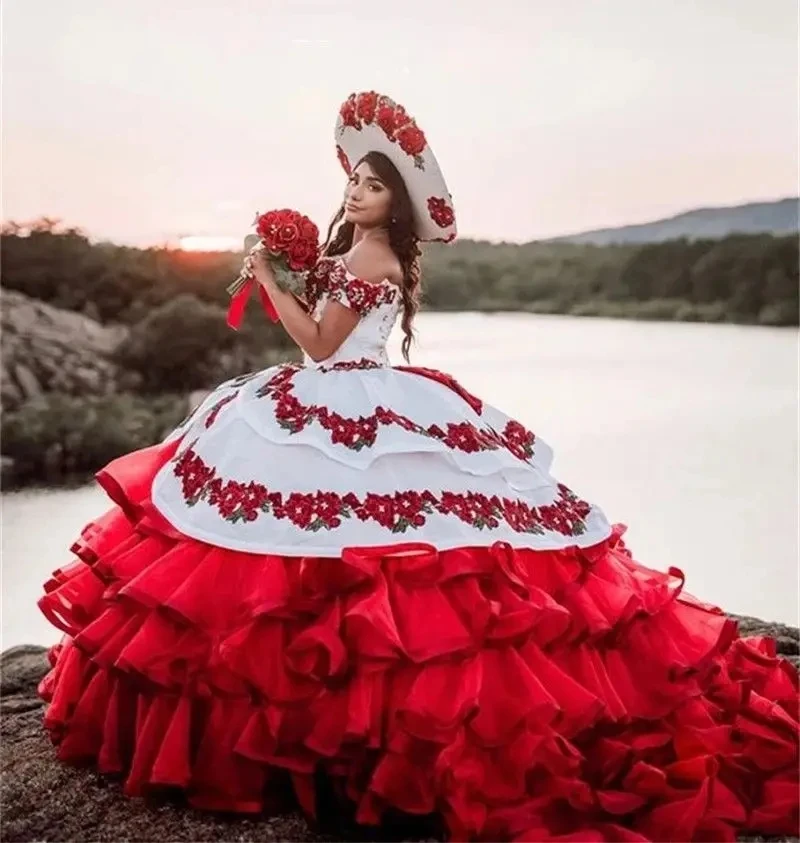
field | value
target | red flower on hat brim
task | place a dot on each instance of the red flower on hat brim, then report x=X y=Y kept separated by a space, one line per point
x=372 y=122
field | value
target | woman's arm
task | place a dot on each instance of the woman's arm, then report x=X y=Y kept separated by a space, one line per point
x=318 y=339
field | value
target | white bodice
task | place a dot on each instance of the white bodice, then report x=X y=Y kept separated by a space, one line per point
x=378 y=305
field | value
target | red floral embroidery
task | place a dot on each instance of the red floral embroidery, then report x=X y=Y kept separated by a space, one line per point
x=411 y=140
x=195 y=475
x=401 y=117
x=393 y=120
x=212 y=416
x=519 y=440
x=351 y=365
x=316 y=282
x=343 y=160
x=366 y=105
x=330 y=276
x=385 y=118
x=294 y=416
x=236 y=501
x=348 y=112
x=446 y=380
x=362 y=296
x=441 y=213
x=236 y=382
x=465 y=437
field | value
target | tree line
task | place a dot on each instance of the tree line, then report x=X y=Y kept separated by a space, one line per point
x=173 y=303
x=751 y=279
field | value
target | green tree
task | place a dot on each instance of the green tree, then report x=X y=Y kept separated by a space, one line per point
x=176 y=346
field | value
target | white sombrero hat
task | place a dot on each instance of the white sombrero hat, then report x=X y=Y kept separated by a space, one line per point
x=372 y=122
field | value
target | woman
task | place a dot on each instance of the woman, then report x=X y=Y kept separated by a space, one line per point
x=364 y=581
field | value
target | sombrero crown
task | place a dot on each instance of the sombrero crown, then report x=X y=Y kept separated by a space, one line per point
x=372 y=122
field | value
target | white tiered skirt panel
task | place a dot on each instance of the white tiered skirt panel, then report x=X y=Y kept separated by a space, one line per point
x=302 y=461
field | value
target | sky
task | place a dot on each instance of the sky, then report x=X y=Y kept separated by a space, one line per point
x=141 y=122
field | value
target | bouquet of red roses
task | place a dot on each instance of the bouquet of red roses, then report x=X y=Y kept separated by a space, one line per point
x=291 y=242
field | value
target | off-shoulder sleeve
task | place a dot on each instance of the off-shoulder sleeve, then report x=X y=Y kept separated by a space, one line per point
x=355 y=293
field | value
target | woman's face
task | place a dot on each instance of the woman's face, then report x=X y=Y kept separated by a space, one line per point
x=367 y=200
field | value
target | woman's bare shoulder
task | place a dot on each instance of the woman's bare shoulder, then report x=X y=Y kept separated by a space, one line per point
x=374 y=261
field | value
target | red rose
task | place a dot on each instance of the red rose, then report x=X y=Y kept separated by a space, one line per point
x=267 y=223
x=309 y=231
x=286 y=235
x=380 y=508
x=300 y=254
x=299 y=509
x=411 y=139
x=401 y=117
x=348 y=112
x=366 y=105
x=441 y=213
x=385 y=119
x=268 y=239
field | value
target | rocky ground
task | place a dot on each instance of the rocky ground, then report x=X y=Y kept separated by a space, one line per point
x=44 y=800
x=46 y=349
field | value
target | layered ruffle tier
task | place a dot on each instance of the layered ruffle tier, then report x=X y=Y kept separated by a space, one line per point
x=521 y=694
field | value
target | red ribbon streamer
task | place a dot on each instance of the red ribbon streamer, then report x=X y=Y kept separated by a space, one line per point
x=239 y=303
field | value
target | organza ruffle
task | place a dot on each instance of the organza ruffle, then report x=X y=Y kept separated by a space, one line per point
x=527 y=695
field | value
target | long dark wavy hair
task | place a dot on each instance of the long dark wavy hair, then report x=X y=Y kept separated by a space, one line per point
x=402 y=238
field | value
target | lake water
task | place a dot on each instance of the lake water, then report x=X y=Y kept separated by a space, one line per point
x=687 y=433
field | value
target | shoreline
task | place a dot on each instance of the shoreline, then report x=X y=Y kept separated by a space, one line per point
x=586 y=310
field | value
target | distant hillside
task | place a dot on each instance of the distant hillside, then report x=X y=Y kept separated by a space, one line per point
x=780 y=217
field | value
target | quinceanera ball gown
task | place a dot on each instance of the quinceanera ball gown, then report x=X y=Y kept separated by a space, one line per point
x=364 y=572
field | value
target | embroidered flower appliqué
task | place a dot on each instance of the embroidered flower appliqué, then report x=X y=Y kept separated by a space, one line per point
x=237 y=501
x=329 y=276
x=357 y=433
x=212 y=416
x=441 y=213
x=368 y=108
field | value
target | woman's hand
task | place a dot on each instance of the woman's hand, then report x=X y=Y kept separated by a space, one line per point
x=258 y=263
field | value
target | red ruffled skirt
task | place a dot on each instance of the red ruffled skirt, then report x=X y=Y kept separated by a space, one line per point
x=519 y=695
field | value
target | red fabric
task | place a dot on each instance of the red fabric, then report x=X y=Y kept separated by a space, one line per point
x=239 y=303
x=525 y=695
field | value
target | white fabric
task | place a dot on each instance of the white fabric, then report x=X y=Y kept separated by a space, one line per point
x=294 y=430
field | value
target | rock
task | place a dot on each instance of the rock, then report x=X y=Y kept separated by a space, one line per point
x=10 y=393
x=21 y=668
x=44 y=799
x=130 y=381
x=787 y=637
x=45 y=349
x=89 y=378
x=27 y=381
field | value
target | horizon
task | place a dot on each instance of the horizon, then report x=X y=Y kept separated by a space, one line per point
x=185 y=243
x=623 y=132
